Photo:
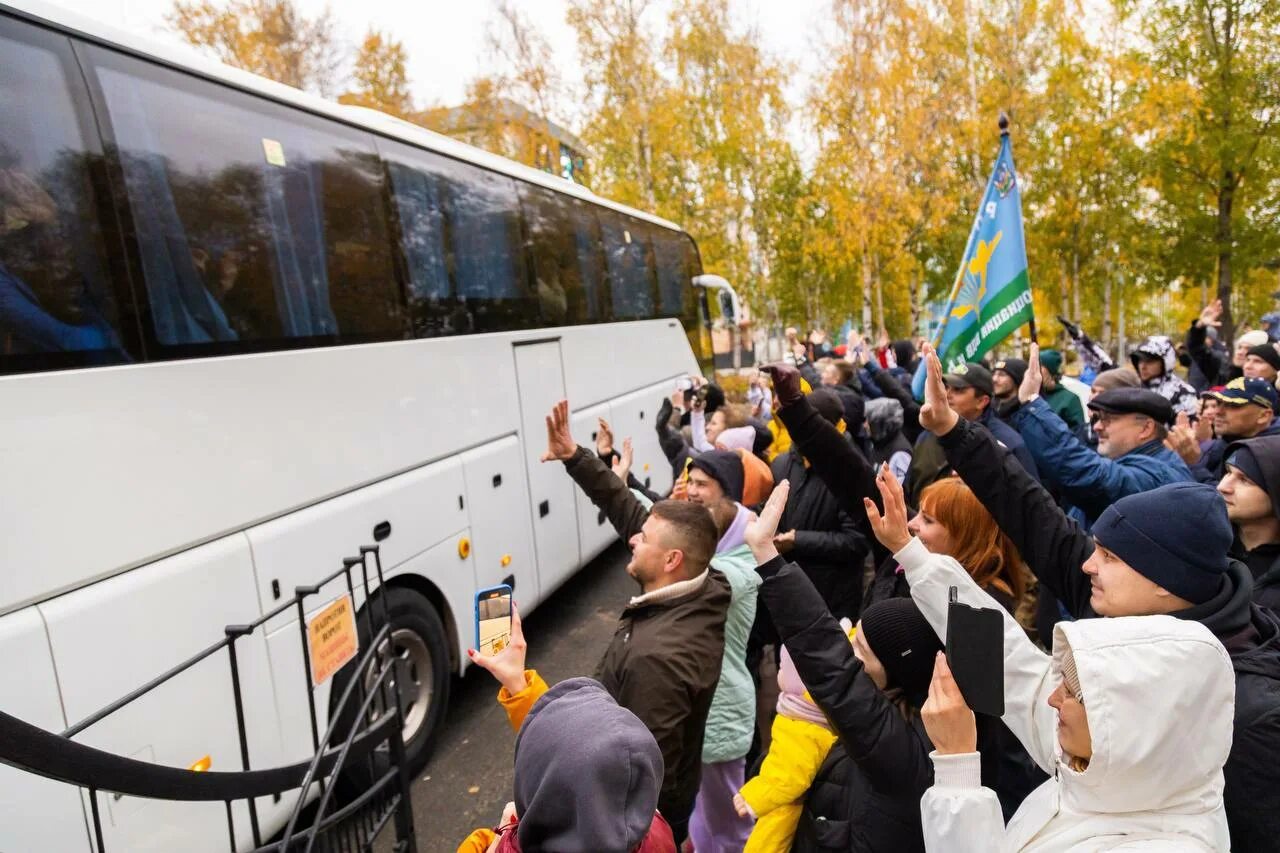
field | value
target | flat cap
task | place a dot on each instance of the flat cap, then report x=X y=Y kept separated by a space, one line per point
x=1134 y=401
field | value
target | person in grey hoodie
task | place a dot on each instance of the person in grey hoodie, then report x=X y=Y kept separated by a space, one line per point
x=885 y=420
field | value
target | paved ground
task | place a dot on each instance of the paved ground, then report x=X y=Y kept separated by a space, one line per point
x=468 y=780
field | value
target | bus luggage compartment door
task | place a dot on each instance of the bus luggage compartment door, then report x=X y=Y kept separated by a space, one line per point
x=540 y=378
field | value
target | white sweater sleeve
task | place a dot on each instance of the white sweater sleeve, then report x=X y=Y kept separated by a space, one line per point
x=957 y=813
x=698 y=431
x=1027 y=675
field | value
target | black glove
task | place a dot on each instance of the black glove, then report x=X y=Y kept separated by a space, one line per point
x=1072 y=329
x=786 y=382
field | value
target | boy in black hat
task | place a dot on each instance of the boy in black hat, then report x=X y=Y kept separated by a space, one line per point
x=1006 y=376
x=1250 y=488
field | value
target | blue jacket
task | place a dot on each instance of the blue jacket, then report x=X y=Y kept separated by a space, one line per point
x=1088 y=481
x=1009 y=437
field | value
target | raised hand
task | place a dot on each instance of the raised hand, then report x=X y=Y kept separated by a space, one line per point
x=1182 y=440
x=560 y=443
x=947 y=719
x=936 y=415
x=1033 y=379
x=762 y=529
x=622 y=464
x=604 y=437
x=507 y=666
x=786 y=382
x=1211 y=316
x=891 y=527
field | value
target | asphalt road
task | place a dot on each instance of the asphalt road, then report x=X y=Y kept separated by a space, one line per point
x=468 y=779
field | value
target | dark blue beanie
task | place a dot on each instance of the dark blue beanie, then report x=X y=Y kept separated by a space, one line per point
x=1177 y=536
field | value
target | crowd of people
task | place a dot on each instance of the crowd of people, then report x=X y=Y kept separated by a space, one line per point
x=1121 y=528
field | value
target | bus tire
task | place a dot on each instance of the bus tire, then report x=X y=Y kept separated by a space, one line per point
x=422 y=672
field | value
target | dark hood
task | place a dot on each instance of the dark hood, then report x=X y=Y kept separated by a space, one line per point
x=904 y=353
x=725 y=467
x=587 y=773
x=1229 y=612
x=1265 y=450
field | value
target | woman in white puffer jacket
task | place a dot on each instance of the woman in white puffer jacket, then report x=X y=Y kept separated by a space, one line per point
x=1150 y=699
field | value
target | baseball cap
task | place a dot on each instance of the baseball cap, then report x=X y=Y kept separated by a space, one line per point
x=971 y=375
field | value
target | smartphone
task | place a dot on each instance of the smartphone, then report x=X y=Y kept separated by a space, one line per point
x=684 y=383
x=493 y=619
x=975 y=653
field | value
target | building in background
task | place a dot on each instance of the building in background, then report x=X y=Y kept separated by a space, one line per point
x=504 y=127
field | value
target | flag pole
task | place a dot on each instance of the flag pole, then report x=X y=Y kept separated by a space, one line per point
x=1004 y=134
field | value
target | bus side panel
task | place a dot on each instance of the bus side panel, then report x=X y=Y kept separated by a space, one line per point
x=498 y=508
x=35 y=813
x=595 y=533
x=602 y=362
x=423 y=507
x=109 y=638
x=452 y=575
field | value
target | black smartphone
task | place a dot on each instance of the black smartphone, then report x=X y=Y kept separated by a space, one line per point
x=975 y=653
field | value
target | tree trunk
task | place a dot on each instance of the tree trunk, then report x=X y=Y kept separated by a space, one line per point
x=917 y=287
x=1075 y=288
x=1106 y=312
x=1223 y=237
x=866 y=294
x=881 y=322
x=1064 y=291
x=1122 y=346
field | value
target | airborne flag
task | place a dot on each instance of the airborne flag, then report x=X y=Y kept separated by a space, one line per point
x=991 y=296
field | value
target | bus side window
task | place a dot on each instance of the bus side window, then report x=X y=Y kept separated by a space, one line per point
x=591 y=262
x=675 y=283
x=57 y=305
x=488 y=250
x=631 y=277
x=552 y=251
x=255 y=224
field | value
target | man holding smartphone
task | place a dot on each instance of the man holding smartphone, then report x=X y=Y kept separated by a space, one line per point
x=664 y=663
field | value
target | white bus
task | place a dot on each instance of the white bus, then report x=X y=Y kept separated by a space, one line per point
x=245 y=330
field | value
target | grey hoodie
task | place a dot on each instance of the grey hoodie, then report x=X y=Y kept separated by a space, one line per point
x=587 y=773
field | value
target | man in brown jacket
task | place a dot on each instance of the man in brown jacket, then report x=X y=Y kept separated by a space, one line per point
x=665 y=657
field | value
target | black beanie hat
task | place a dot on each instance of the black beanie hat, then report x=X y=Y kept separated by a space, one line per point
x=1176 y=536
x=1267 y=353
x=828 y=404
x=905 y=643
x=725 y=467
x=1015 y=367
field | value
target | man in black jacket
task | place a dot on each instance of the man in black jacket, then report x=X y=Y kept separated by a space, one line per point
x=1096 y=581
x=818 y=536
x=664 y=661
x=1251 y=489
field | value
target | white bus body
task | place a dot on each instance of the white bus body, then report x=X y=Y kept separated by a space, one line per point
x=149 y=504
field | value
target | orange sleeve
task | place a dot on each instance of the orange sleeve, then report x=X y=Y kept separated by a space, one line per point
x=477 y=842
x=517 y=705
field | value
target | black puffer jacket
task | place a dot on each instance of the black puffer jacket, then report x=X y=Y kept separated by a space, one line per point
x=1055 y=548
x=830 y=547
x=873 y=802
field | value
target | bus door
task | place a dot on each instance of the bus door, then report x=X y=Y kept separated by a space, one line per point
x=540 y=378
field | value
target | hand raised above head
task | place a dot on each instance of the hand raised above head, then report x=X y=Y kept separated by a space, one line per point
x=507 y=666
x=762 y=529
x=604 y=437
x=622 y=464
x=1033 y=379
x=936 y=415
x=560 y=443
x=786 y=382
x=890 y=527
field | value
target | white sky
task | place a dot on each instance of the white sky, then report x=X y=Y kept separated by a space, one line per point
x=445 y=39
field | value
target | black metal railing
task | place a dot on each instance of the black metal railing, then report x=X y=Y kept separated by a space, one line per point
x=349 y=826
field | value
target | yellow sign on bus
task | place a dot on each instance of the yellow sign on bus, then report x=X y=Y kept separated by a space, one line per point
x=332 y=639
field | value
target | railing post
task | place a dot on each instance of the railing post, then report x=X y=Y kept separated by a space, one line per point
x=302 y=592
x=97 y=820
x=234 y=632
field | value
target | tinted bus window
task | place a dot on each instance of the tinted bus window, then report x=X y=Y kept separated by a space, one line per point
x=460 y=233
x=568 y=262
x=631 y=279
x=57 y=307
x=672 y=254
x=254 y=223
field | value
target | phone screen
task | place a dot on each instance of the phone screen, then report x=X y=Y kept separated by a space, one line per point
x=493 y=620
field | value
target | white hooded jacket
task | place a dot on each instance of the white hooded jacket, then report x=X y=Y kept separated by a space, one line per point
x=1180 y=394
x=1160 y=697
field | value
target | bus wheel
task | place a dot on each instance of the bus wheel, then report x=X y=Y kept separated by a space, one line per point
x=420 y=674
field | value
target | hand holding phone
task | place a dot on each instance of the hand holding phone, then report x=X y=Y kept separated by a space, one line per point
x=975 y=655
x=506 y=664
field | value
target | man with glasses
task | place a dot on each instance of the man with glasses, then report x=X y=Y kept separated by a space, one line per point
x=1131 y=425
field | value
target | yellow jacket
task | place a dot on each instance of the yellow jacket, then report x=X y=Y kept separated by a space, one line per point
x=517 y=706
x=776 y=796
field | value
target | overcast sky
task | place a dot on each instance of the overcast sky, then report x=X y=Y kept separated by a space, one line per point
x=445 y=38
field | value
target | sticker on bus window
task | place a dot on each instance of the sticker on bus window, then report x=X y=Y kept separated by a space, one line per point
x=626 y=236
x=332 y=639
x=274 y=151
